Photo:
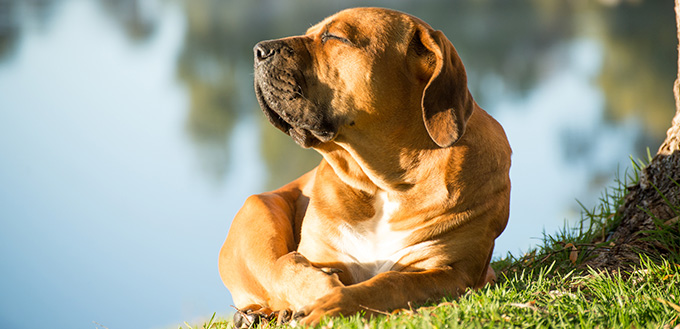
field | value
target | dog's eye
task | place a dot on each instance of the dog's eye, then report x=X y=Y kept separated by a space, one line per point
x=328 y=36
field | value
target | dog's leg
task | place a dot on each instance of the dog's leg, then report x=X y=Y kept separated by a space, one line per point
x=388 y=291
x=488 y=276
x=258 y=261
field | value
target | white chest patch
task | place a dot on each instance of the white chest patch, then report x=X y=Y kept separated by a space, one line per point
x=372 y=246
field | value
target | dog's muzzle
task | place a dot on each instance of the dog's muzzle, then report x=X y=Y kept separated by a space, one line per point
x=280 y=88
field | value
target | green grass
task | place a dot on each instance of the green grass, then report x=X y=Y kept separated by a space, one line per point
x=550 y=287
x=647 y=298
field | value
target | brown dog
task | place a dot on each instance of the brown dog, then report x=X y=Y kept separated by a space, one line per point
x=413 y=187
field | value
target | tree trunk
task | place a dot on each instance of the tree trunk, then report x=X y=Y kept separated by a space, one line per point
x=659 y=180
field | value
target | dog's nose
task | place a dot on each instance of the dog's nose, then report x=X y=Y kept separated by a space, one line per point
x=263 y=50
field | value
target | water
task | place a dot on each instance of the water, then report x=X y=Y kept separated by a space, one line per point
x=130 y=135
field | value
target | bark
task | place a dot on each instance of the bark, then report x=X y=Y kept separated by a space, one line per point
x=658 y=180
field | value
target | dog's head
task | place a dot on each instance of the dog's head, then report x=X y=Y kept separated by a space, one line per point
x=360 y=69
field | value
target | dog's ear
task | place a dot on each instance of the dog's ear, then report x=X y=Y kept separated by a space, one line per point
x=447 y=103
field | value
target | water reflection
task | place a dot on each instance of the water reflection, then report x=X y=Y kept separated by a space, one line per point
x=137 y=18
x=508 y=49
x=14 y=16
x=637 y=71
x=122 y=162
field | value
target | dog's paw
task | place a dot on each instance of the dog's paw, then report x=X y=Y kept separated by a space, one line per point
x=246 y=319
x=337 y=302
x=249 y=318
x=288 y=317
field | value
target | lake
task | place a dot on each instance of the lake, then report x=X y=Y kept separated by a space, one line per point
x=130 y=135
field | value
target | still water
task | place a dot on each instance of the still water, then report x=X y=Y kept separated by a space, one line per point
x=130 y=135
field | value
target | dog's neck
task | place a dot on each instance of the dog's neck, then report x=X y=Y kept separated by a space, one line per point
x=406 y=166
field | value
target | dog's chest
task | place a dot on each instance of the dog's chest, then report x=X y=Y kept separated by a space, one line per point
x=373 y=246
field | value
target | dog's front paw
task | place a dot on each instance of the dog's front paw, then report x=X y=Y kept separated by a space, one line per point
x=246 y=319
x=296 y=282
x=250 y=317
x=338 y=302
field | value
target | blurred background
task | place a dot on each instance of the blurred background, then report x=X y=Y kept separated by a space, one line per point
x=130 y=134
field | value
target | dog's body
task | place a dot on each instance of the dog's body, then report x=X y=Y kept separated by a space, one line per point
x=413 y=188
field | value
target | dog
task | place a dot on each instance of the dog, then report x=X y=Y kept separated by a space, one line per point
x=411 y=193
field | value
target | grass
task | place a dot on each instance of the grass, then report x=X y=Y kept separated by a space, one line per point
x=550 y=287
x=646 y=298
